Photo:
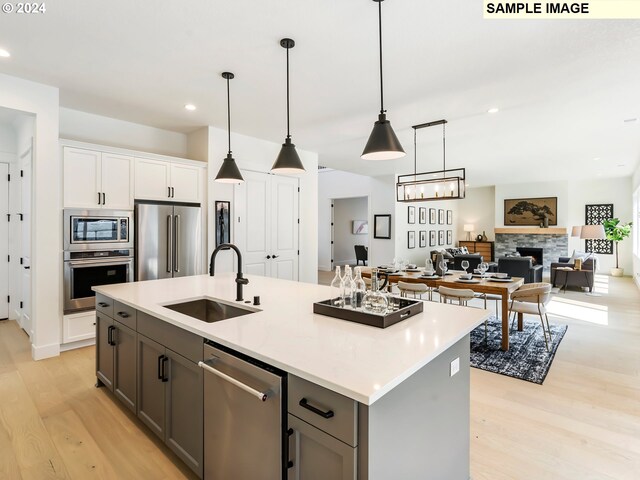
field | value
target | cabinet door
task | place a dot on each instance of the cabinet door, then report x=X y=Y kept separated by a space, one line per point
x=124 y=378
x=151 y=179
x=104 y=350
x=151 y=387
x=186 y=183
x=117 y=181
x=81 y=178
x=184 y=419
x=316 y=455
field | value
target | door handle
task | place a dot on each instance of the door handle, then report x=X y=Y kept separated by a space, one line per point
x=268 y=257
x=27 y=267
x=160 y=367
x=305 y=404
x=275 y=256
x=165 y=359
x=169 y=243
x=176 y=243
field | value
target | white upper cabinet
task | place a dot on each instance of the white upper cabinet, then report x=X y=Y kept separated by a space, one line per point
x=97 y=180
x=152 y=180
x=186 y=183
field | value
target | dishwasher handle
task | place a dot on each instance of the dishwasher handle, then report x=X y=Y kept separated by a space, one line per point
x=262 y=396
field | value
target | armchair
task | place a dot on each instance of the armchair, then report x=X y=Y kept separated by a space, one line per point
x=589 y=267
x=362 y=254
x=520 y=267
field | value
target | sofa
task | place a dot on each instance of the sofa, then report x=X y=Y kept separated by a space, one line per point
x=520 y=267
x=589 y=266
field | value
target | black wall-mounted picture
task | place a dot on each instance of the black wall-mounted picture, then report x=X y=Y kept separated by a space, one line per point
x=423 y=238
x=531 y=211
x=449 y=237
x=222 y=214
x=382 y=226
x=422 y=218
x=449 y=217
x=432 y=238
x=411 y=214
x=596 y=215
x=440 y=237
x=440 y=217
x=432 y=216
x=411 y=239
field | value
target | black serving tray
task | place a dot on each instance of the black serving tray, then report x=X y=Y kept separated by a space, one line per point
x=405 y=308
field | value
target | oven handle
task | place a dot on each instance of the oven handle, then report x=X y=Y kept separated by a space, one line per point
x=92 y=263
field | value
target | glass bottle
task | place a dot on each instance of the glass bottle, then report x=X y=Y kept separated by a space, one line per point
x=337 y=289
x=359 y=289
x=347 y=287
x=375 y=301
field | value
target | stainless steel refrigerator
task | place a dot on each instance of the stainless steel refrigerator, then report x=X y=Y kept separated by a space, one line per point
x=168 y=241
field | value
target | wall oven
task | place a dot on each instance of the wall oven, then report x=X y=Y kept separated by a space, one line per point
x=86 y=269
x=97 y=229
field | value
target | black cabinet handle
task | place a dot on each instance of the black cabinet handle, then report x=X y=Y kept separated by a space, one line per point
x=164 y=368
x=104 y=198
x=160 y=367
x=173 y=192
x=123 y=314
x=99 y=198
x=103 y=305
x=110 y=335
x=289 y=462
x=304 y=404
x=169 y=192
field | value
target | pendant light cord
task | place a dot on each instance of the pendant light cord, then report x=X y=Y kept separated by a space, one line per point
x=444 y=150
x=415 y=153
x=382 y=110
x=228 y=117
x=288 y=132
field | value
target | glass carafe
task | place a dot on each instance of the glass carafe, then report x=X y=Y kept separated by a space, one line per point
x=337 y=290
x=347 y=287
x=375 y=301
x=359 y=289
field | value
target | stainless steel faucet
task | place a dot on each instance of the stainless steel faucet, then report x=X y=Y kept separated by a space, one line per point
x=240 y=280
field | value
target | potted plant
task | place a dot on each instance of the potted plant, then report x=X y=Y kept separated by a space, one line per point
x=616 y=232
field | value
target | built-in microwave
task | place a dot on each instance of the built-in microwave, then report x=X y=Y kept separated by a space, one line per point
x=97 y=229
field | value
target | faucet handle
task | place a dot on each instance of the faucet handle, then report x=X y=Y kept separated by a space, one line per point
x=242 y=281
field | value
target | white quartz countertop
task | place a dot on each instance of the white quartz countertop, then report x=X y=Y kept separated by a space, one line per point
x=355 y=360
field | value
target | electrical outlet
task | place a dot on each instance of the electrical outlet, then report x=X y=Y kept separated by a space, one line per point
x=455 y=367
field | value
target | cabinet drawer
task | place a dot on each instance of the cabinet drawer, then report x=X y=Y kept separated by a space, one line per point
x=185 y=343
x=78 y=326
x=124 y=314
x=309 y=401
x=104 y=305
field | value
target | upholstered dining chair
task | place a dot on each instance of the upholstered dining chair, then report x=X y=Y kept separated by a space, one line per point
x=532 y=298
x=462 y=295
x=415 y=289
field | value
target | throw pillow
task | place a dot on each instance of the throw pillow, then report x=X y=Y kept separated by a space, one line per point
x=581 y=255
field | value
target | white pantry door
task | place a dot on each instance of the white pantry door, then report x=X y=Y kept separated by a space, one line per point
x=266 y=224
x=25 y=187
x=4 y=240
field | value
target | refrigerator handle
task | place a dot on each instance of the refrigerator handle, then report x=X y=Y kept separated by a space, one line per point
x=176 y=241
x=169 y=244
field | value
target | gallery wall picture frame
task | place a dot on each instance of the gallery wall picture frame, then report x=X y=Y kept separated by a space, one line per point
x=530 y=211
x=449 y=237
x=423 y=238
x=432 y=216
x=432 y=238
x=382 y=226
x=449 y=217
x=440 y=216
x=422 y=217
x=440 y=237
x=411 y=239
x=222 y=212
x=411 y=214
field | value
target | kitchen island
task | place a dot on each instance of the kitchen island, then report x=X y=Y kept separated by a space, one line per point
x=401 y=394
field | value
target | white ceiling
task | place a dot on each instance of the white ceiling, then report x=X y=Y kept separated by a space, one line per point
x=563 y=87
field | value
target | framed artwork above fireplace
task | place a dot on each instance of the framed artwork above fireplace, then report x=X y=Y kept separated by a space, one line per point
x=530 y=211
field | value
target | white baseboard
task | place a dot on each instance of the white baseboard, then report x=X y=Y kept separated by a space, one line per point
x=79 y=344
x=324 y=268
x=345 y=262
x=45 y=351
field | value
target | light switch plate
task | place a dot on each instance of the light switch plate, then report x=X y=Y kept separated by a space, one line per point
x=455 y=367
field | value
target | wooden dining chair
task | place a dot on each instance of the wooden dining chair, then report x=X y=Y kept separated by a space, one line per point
x=532 y=298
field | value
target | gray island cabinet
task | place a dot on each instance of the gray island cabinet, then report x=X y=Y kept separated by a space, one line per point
x=359 y=403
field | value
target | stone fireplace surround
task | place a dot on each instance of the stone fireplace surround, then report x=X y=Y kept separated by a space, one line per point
x=553 y=241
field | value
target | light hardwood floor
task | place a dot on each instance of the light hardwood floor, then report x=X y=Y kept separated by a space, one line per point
x=583 y=423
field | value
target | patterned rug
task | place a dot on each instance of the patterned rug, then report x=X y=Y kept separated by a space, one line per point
x=527 y=358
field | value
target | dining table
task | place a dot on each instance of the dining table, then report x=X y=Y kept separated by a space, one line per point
x=486 y=284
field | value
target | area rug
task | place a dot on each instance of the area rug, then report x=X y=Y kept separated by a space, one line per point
x=527 y=358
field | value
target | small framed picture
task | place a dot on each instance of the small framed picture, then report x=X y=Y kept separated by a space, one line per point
x=411 y=214
x=411 y=239
x=423 y=215
x=432 y=238
x=382 y=226
x=449 y=217
x=440 y=217
x=449 y=237
x=222 y=222
x=432 y=216
x=423 y=238
x=441 y=237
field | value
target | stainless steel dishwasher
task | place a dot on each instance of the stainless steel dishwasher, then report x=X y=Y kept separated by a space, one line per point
x=244 y=417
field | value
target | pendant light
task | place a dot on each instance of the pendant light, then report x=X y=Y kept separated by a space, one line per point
x=288 y=161
x=383 y=143
x=229 y=172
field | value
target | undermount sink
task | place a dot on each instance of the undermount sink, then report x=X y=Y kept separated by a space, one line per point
x=207 y=310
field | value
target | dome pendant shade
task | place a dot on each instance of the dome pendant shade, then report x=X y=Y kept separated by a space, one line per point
x=383 y=143
x=229 y=172
x=288 y=161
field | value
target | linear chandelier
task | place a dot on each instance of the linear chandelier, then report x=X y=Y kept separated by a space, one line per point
x=428 y=186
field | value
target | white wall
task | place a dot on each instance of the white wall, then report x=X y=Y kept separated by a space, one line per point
x=345 y=211
x=7 y=139
x=380 y=190
x=635 y=186
x=87 y=127
x=258 y=155
x=478 y=208
x=532 y=190
x=46 y=272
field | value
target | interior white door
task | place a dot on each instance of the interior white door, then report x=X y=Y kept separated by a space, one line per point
x=152 y=180
x=4 y=240
x=117 y=181
x=25 y=186
x=81 y=178
x=284 y=227
x=185 y=181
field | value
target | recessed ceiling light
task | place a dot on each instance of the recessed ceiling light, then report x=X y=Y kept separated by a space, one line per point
x=190 y=106
x=621 y=165
x=4 y=53
x=493 y=110
x=630 y=120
